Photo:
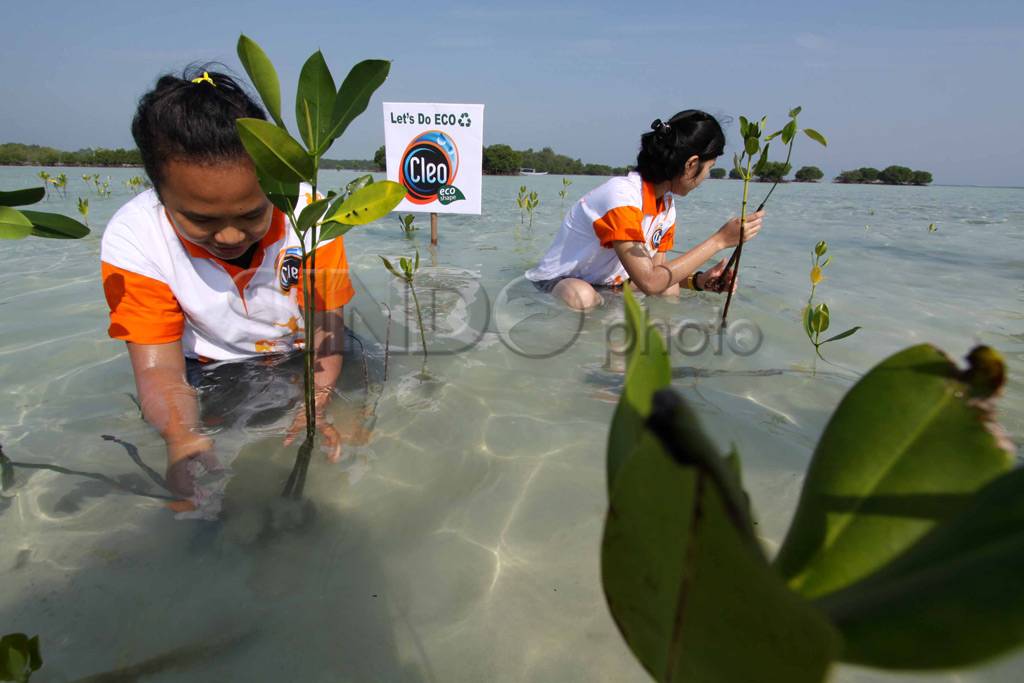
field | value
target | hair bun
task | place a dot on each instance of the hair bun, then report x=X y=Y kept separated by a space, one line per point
x=660 y=127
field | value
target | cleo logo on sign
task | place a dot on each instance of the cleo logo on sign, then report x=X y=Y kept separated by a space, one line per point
x=288 y=269
x=429 y=167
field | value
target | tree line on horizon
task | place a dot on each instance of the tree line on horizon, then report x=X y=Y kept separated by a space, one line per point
x=775 y=171
x=498 y=159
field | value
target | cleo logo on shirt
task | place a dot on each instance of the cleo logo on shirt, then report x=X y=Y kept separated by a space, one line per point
x=288 y=268
x=656 y=238
x=428 y=169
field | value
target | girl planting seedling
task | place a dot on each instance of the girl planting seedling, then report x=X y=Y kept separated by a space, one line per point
x=622 y=229
x=222 y=261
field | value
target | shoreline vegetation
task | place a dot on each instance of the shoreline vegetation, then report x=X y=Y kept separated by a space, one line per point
x=497 y=160
x=775 y=171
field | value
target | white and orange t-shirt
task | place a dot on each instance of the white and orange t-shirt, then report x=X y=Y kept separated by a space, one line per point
x=162 y=288
x=625 y=209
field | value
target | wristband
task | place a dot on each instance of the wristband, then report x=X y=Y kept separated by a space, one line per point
x=695 y=276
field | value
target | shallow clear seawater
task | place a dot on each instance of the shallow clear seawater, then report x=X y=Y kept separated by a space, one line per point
x=459 y=541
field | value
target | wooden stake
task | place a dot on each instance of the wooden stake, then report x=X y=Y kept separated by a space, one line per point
x=433 y=229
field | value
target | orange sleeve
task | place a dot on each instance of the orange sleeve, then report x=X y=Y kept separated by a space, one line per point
x=142 y=310
x=668 y=239
x=333 y=287
x=621 y=224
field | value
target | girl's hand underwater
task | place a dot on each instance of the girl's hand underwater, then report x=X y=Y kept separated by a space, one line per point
x=712 y=280
x=332 y=440
x=730 y=232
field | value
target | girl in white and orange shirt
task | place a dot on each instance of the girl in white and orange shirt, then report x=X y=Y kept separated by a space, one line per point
x=623 y=228
x=203 y=268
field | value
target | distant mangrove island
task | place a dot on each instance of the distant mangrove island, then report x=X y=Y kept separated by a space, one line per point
x=497 y=160
x=776 y=171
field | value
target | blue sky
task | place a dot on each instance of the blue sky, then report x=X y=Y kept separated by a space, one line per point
x=930 y=85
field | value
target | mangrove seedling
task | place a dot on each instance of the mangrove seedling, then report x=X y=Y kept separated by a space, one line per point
x=135 y=183
x=19 y=657
x=521 y=200
x=406 y=274
x=323 y=112
x=406 y=223
x=564 y=192
x=932 y=228
x=746 y=168
x=816 y=318
x=60 y=182
x=904 y=552
x=45 y=177
x=16 y=224
x=531 y=204
x=83 y=209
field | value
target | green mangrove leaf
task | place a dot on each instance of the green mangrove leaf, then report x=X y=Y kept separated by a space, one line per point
x=647 y=370
x=19 y=657
x=368 y=203
x=391 y=268
x=808 y=317
x=954 y=599
x=312 y=213
x=842 y=335
x=24 y=197
x=763 y=126
x=736 y=164
x=55 y=225
x=773 y=136
x=788 y=131
x=283 y=195
x=794 y=112
x=406 y=266
x=314 y=103
x=358 y=184
x=820 y=319
x=905 y=449
x=821 y=248
x=416 y=264
x=13 y=224
x=751 y=145
x=744 y=127
x=263 y=76
x=816 y=136
x=275 y=153
x=355 y=93
x=331 y=229
x=693 y=599
x=762 y=160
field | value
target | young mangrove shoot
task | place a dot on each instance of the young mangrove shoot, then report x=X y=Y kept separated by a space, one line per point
x=564 y=192
x=531 y=204
x=816 y=318
x=406 y=272
x=83 y=209
x=406 y=223
x=744 y=166
x=521 y=200
x=323 y=112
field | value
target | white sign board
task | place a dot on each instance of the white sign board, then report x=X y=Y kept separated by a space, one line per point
x=436 y=152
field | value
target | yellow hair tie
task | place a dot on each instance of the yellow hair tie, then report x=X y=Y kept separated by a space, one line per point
x=205 y=78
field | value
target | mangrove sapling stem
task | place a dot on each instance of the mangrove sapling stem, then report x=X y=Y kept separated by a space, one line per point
x=734 y=260
x=387 y=344
x=419 y=319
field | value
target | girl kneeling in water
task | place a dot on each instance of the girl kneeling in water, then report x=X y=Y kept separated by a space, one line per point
x=624 y=227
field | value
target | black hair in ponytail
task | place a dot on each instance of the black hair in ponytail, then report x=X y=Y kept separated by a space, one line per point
x=665 y=149
x=194 y=121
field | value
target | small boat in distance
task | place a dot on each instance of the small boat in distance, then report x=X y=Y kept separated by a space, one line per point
x=530 y=171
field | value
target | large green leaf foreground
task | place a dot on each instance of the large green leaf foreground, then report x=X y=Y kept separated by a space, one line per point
x=16 y=224
x=906 y=552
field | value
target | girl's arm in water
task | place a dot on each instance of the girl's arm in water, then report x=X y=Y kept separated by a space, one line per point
x=168 y=402
x=655 y=276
